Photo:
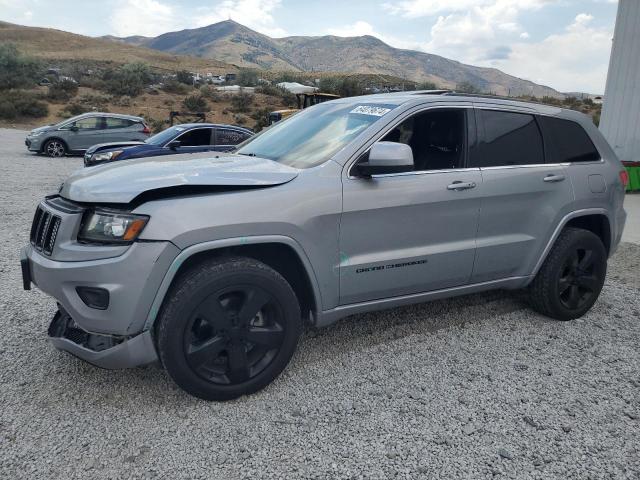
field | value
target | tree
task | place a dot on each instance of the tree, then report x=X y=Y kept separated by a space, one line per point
x=185 y=77
x=63 y=91
x=467 y=87
x=247 y=77
x=426 y=86
x=195 y=103
x=17 y=70
x=130 y=79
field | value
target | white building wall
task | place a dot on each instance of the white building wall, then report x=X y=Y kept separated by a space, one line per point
x=620 y=122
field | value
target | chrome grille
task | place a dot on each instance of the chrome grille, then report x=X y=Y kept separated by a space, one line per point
x=44 y=230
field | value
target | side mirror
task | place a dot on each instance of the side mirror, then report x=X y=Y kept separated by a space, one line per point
x=73 y=128
x=387 y=157
x=174 y=145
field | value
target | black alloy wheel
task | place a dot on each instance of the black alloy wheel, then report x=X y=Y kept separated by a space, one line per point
x=234 y=334
x=228 y=327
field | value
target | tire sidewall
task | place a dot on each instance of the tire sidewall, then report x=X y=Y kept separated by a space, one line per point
x=580 y=239
x=175 y=318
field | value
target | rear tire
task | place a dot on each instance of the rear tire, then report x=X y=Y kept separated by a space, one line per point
x=54 y=148
x=572 y=276
x=228 y=328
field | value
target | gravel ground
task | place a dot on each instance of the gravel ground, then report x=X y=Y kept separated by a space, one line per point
x=475 y=387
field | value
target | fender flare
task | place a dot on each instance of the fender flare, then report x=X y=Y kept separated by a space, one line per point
x=225 y=243
x=571 y=215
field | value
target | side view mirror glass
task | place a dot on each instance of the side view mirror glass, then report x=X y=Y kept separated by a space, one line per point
x=175 y=144
x=387 y=157
x=73 y=128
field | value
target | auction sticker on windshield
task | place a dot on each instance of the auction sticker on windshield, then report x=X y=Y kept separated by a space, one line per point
x=371 y=110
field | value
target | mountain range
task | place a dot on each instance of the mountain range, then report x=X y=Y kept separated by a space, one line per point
x=233 y=43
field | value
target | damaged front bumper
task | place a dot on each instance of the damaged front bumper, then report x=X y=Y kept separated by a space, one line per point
x=105 y=351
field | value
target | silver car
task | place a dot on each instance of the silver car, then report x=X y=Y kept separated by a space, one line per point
x=77 y=134
x=210 y=263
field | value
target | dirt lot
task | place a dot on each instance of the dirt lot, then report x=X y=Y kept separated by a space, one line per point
x=476 y=387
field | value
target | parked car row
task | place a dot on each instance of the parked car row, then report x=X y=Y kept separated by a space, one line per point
x=107 y=137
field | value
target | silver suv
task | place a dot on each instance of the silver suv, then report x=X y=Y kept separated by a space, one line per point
x=211 y=263
x=77 y=134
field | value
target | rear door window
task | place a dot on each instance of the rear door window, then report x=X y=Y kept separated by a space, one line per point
x=567 y=141
x=112 y=122
x=90 y=123
x=195 y=138
x=225 y=136
x=507 y=138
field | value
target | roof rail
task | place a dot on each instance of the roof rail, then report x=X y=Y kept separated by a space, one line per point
x=431 y=92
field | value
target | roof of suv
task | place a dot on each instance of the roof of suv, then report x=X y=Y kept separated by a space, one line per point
x=418 y=97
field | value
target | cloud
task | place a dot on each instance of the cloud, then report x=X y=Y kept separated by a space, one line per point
x=427 y=8
x=361 y=28
x=501 y=52
x=154 y=17
x=572 y=60
x=255 y=14
x=142 y=17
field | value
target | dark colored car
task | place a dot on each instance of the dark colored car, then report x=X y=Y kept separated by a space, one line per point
x=186 y=138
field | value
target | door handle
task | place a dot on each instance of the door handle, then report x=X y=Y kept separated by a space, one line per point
x=553 y=178
x=458 y=185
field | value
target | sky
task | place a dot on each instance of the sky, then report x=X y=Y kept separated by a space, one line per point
x=561 y=43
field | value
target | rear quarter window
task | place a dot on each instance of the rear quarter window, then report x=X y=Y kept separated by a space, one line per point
x=567 y=141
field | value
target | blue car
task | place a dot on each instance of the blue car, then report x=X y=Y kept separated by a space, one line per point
x=185 y=138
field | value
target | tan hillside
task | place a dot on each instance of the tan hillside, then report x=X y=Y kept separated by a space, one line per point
x=53 y=44
x=233 y=43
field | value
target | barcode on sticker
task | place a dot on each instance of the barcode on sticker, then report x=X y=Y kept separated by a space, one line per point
x=370 y=110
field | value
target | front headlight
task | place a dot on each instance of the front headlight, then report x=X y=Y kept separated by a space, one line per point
x=106 y=156
x=35 y=134
x=102 y=226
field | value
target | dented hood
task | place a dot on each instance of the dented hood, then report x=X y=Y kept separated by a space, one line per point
x=122 y=182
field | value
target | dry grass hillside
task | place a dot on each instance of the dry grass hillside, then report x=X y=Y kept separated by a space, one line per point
x=50 y=44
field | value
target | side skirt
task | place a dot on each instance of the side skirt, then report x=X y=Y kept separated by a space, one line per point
x=328 y=317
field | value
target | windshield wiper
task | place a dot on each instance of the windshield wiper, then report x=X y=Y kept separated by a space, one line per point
x=248 y=154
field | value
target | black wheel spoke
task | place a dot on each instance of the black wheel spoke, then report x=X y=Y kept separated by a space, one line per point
x=586 y=261
x=588 y=282
x=255 y=300
x=269 y=337
x=563 y=284
x=206 y=351
x=574 y=296
x=214 y=313
x=238 y=364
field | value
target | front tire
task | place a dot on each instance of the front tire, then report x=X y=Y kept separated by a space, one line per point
x=54 y=148
x=572 y=276
x=229 y=328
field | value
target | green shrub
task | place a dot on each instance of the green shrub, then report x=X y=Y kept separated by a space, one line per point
x=17 y=70
x=15 y=104
x=247 y=77
x=426 y=86
x=63 y=91
x=241 y=102
x=130 y=79
x=467 y=87
x=261 y=117
x=184 y=77
x=173 y=86
x=285 y=96
x=74 y=109
x=195 y=103
x=210 y=93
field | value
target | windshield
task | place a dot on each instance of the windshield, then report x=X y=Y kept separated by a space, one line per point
x=314 y=135
x=163 y=137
